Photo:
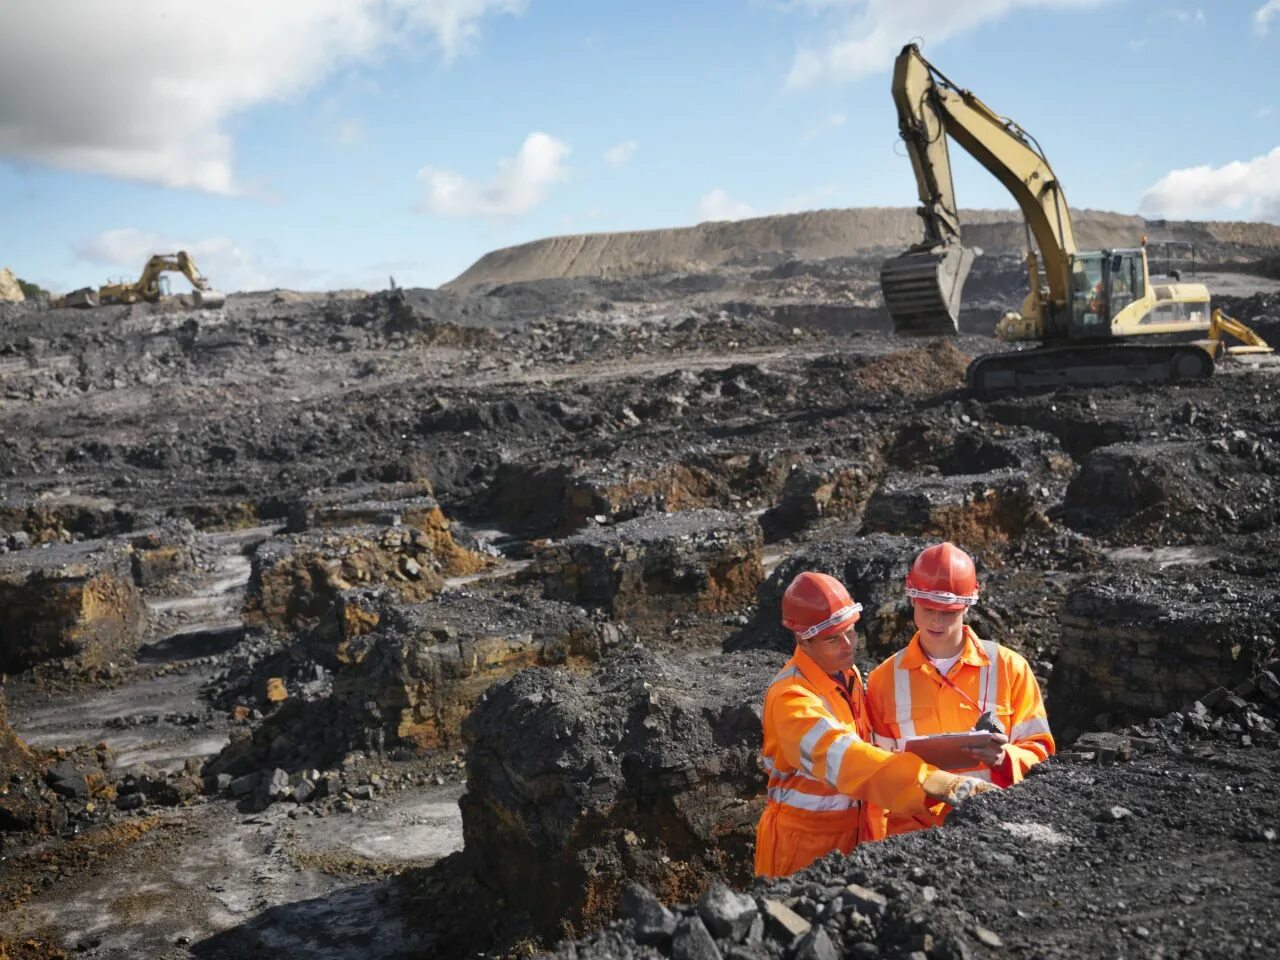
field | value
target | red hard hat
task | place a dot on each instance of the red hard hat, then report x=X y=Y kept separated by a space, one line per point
x=943 y=578
x=816 y=605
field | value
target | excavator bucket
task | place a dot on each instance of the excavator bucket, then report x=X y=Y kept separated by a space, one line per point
x=84 y=297
x=922 y=289
x=209 y=299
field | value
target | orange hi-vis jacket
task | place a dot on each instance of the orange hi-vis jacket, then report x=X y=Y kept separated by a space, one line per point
x=908 y=698
x=827 y=782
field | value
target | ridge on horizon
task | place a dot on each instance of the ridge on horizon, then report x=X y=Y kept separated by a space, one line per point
x=820 y=234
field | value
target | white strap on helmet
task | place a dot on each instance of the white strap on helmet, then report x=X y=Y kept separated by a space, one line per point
x=941 y=596
x=842 y=615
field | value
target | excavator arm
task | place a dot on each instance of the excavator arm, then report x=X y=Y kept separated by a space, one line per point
x=147 y=286
x=922 y=287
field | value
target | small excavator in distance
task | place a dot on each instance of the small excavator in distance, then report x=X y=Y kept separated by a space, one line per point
x=1084 y=307
x=147 y=287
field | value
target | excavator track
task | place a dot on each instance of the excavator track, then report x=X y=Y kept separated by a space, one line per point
x=1085 y=364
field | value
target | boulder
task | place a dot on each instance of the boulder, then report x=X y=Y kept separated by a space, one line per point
x=162 y=553
x=1175 y=490
x=74 y=602
x=559 y=498
x=1141 y=642
x=820 y=489
x=404 y=504
x=657 y=566
x=295 y=579
x=644 y=770
x=973 y=510
x=10 y=289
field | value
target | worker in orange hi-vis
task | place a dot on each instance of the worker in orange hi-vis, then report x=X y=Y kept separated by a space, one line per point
x=828 y=784
x=949 y=680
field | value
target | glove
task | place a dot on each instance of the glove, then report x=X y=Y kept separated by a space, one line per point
x=954 y=788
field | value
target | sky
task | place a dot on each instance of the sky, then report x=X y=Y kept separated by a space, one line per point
x=325 y=144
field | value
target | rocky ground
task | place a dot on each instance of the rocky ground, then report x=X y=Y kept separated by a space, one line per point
x=327 y=619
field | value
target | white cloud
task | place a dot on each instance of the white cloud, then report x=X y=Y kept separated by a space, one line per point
x=522 y=183
x=620 y=153
x=1252 y=186
x=125 y=251
x=718 y=205
x=868 y=34
x=349 y=132
x=143 y=89
x=830 y=122
x=1263 y=16
x=1196 y=17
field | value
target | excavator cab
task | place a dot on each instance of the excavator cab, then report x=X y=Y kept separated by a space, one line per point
x=1090 y=310
x=1103 y=284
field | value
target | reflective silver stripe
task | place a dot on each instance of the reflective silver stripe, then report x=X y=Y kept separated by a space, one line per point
x=809 y=801
x=835 y=757
x=902 y=697
x=840 y=616
x=771 y=768
x=787 y=674
x=820 y=727
x=884 y=743
x=1036 y=726
x=942 y=596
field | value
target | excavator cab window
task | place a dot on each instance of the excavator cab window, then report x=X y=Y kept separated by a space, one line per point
x=1125 y=280
x=1090 y=316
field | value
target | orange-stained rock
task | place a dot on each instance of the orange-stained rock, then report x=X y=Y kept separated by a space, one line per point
x=75 y=602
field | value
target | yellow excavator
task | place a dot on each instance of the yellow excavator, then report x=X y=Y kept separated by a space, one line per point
x=1084 y=307
x=147 y=287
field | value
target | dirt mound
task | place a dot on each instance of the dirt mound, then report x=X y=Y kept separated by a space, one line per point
x=23 y=804
x=919 y=372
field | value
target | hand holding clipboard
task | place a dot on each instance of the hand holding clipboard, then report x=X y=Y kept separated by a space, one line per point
x=958 y=751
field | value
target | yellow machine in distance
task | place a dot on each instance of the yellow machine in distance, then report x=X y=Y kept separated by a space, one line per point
x=147 y=287
x=1084 y=307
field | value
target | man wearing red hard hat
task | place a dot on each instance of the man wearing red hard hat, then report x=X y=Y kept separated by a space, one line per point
x=828 y=784
x=949 y=680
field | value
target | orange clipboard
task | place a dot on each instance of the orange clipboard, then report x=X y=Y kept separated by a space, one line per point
x=947 y=751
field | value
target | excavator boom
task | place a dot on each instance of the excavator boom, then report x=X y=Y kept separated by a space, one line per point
x=922 y=288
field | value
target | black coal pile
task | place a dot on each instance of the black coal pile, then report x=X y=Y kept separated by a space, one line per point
x=576 y=784
x=1141 y=642
x=1175 y=492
